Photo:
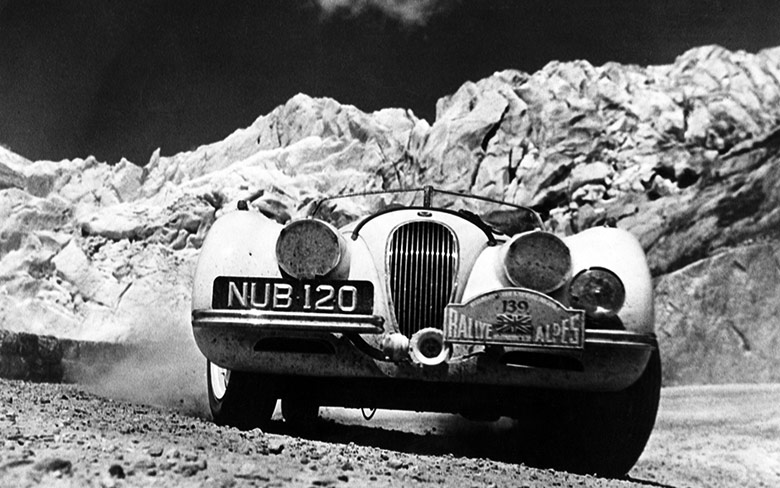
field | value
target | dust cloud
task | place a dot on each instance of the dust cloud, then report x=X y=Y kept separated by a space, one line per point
x=166 y=372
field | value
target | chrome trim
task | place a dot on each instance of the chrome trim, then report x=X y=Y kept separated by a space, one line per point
x=601 y=337
x=422 y=268
x=620 y=338
x=298 y=321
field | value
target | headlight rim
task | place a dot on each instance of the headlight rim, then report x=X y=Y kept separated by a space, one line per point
x=324 y=268
x=563 y=259
x=598 y=312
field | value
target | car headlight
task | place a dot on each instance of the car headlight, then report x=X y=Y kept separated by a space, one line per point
x=598 y=291
x=309 y=248
x=537 y=260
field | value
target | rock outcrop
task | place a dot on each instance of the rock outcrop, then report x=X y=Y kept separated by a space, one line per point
x=52 y=359
x=718 y=318
x=686 y=156
x=681 y=155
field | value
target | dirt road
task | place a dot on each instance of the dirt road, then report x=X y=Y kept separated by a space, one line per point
x=58 y=435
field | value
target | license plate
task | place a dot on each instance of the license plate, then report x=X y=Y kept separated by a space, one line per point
x=279 y=295
x=515 y=317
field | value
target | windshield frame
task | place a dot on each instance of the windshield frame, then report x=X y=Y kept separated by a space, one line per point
x=428 y=194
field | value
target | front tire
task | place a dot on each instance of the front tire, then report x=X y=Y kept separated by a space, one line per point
x=239 y=399
x=598 y=433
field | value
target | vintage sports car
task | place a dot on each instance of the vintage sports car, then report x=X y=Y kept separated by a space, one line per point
x=433 y=301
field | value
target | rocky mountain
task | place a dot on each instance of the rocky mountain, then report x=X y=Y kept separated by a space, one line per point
x=686 y=156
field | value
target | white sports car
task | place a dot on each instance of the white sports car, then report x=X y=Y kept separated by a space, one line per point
x=433 y=301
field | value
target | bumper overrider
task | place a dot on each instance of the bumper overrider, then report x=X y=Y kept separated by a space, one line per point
x=509 y=337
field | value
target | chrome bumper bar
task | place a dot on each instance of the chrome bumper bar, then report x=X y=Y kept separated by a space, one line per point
x=300 y=321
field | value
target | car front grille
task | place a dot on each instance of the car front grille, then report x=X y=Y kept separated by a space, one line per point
x=422 y=262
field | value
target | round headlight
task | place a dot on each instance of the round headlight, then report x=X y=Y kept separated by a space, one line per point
x=598 y=291
x=309 y=248
x=537 y=260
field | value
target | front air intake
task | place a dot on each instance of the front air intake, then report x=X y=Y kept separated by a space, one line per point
x=422 y=262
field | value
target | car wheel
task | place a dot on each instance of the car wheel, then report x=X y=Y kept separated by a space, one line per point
x=598 y=433
x=238 y=399
x=299 y=412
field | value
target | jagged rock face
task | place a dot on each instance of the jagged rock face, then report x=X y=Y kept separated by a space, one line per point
x=683 y=155
x=648 y=149
x=95 y=251
x=718 y=318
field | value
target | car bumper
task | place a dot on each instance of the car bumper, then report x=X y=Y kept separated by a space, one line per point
x=239 y=340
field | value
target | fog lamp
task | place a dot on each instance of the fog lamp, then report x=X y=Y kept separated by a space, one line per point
x=309 y=248
x=537 y=260
x=598 y=291
x=427 y=347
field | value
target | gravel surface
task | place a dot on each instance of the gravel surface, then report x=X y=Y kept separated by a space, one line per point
x=62 y=435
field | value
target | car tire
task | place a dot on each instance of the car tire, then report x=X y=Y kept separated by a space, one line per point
x=299 y=412
x=239 y=399
x=597 y=433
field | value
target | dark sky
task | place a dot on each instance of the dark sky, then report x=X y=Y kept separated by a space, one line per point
x=120 y=78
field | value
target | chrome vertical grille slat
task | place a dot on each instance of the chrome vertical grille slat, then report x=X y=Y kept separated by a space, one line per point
x=422 y=257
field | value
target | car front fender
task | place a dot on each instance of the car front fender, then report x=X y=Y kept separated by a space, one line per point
x=240 y=243
x=620 y=252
